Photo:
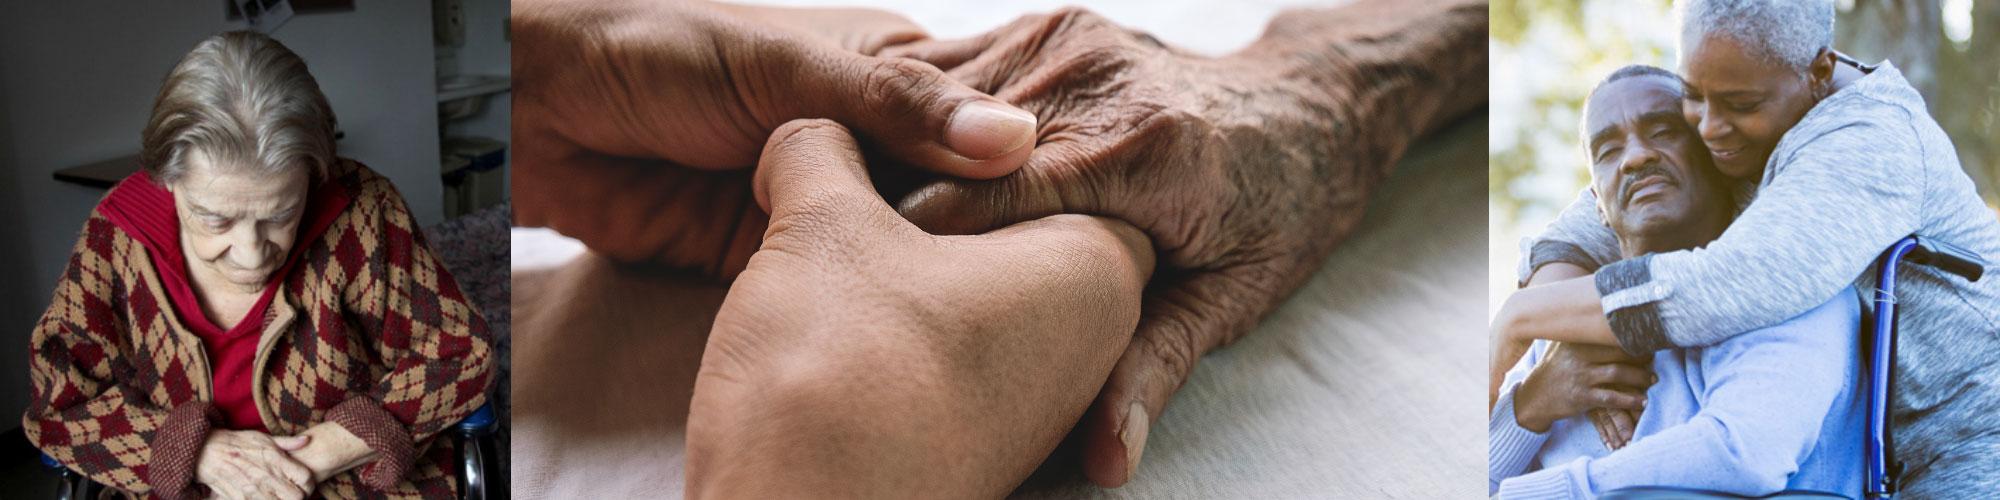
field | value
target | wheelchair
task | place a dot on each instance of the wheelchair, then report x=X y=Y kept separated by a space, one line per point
x=476 y=466
x=1879 y=352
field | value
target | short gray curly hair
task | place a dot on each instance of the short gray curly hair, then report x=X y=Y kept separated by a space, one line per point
x=243 y=100
x=1788 y=32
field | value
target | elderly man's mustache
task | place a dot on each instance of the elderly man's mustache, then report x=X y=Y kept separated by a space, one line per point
x=1651 y=169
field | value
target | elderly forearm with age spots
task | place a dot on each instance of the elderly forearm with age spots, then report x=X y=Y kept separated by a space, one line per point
x=1380 y=73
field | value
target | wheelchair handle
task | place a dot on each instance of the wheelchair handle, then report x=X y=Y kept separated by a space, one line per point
x=1945 y=256
x=480 y=422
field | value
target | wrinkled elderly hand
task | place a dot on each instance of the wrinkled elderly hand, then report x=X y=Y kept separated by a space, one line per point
x=251 y=464
x=859 y=357
x=1575 y=378
x=1245 y=171
x=330 y=450
x=637 y=122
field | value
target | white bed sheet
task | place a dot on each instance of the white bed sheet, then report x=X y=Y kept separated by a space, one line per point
x=1365 y=383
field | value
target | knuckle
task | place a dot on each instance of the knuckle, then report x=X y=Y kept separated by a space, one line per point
x=1604 y=372
x=807 y=134
x=1092 y=66
x=1600 y=398
x=1146 y=39
x=1172 y=346
x=900 y=87
x=1169 y=123
x=1159 y=139
x=1078 y=19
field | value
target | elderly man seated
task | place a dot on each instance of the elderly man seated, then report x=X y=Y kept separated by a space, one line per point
x=1772 y=409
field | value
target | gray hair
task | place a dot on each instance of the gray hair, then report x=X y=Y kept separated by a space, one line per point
x=1638 y=70
x=1788 y=32
x=239 y=99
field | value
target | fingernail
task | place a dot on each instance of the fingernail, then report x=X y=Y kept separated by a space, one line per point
x=984 y=129
x=1134 y=436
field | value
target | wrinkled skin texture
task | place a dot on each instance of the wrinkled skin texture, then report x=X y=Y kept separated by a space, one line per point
x=1245 y=171
x=859 y=357
x=331 y=450
x=1574 y=378
x=638 y=122
x=251 y=464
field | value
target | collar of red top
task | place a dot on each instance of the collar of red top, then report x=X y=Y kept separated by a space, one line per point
x=145 y=209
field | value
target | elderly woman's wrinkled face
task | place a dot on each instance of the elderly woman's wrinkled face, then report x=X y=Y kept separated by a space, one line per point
x=1741 y=103
x=237 y=224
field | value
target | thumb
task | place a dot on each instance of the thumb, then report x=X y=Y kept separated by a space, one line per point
x=1182 y=321
x=291 y=443
x=812 y=169
x=915 y=113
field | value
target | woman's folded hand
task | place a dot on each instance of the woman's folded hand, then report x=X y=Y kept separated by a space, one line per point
x=251 y=464
x=331 y=450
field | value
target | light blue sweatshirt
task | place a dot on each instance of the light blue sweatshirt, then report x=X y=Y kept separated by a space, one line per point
x=1777 y=408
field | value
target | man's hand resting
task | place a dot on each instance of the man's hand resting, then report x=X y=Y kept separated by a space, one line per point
x=1574 y=378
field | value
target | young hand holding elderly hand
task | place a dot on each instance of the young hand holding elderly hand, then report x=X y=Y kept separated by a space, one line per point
x=860 y=357
x=1243 y=171
x=642 y=119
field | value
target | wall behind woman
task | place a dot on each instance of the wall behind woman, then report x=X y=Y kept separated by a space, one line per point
x=77 y=81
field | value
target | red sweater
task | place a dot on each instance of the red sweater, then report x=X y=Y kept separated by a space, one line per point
x=145 y=210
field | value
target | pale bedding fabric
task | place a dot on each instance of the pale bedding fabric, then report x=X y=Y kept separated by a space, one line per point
x=1366 y=383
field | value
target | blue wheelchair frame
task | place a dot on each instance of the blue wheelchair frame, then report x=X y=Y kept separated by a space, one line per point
x=1882 y=465
x=476 y=451
x=1879 y=357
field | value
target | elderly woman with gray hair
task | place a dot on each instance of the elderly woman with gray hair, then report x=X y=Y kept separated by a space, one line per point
x=1838 y=160
x=251 y=315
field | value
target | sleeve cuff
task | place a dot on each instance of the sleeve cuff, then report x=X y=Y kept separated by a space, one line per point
x=1554 y=482
x=1633 y=310
x=1550 y=252
x=176 y=446
x=1509 y=447
x=396 y=452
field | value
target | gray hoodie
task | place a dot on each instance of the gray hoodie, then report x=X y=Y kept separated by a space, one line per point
x=1861 y=170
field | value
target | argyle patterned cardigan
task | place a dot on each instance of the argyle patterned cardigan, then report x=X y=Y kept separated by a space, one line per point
x=371 y=333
